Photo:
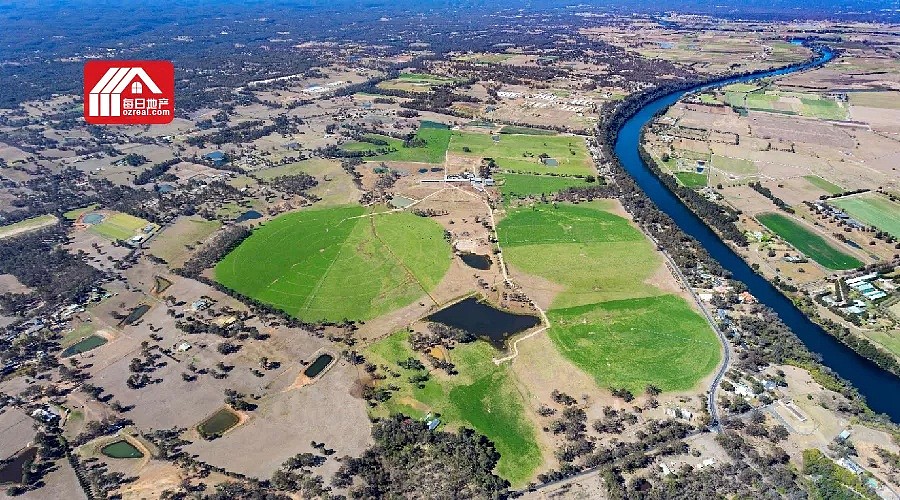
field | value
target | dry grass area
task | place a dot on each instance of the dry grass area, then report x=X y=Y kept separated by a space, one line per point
x=705 y=50
x=813 y=423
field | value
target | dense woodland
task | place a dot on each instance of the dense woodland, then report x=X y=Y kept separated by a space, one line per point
x=38 y=262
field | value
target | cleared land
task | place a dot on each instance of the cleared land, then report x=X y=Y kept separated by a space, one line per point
x=416 y=82
x=691 y=179
x=873 y=209
x=335 y=185
x=824 y=185
x=26 y=225
x=609 y=320
x=596 y=255
x=812 y=245
x=435 y=136
x=793 y=103
x=513 y=129
x=119 y=226
x=523 y=185
x=521 y=153
x=338 y=263
x=737 y=166
x=635 y=342
x=173 y=244
x=482 y=396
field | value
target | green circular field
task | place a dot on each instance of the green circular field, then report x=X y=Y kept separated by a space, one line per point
x=338 y=263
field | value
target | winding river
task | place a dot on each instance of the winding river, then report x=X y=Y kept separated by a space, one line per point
x=880 y=388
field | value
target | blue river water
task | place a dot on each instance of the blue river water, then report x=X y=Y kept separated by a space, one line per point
x=880 y=388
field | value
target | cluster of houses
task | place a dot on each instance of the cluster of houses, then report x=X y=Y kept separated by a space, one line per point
x=145 y=234
x=58 y=321
x=321 y=89
x=477 y=182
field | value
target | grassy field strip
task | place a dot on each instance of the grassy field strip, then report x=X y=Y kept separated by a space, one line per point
x=27 y=225
x=523 y=185
x=872 y=209
x=823 y=184
x=809 y=243
x=521 y=153
x=119 y=226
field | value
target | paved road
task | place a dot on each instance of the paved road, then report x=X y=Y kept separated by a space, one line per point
x=726 y=361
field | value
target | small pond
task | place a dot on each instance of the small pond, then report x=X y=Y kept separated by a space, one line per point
x=121 y=449
x=136 y=314
x=92 y=218
x=248 y=215
x=160 y=284
x=484 y=321
x=11 y=472
x=86 y=344
x=318 y=365
x=475 y=260
x=401 y=202
x=218 y=423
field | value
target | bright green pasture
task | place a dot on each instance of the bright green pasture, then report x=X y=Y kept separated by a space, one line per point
x=593 y=254
x=436 y=141
x=609 y=319
x=635 y=342
x=521 y=153
x=691 y=179
x=338 y=263
x=119 y=226
x=873 y=209
x=824 y=185
x=483 y=396
x=524 y=185
x=812 y=245
x=826 y=109
x=564 y=223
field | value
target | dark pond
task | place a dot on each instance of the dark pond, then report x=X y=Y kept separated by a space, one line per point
x=218 y=423
x=879 y=386
x=476 y=261
x=85 y=345
x=11 y=472
x=136 y=314
x=484 y=321
x=248 y=215
x=121 y=449
x=318 y=365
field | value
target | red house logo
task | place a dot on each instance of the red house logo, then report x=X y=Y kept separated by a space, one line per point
x=129 y=92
